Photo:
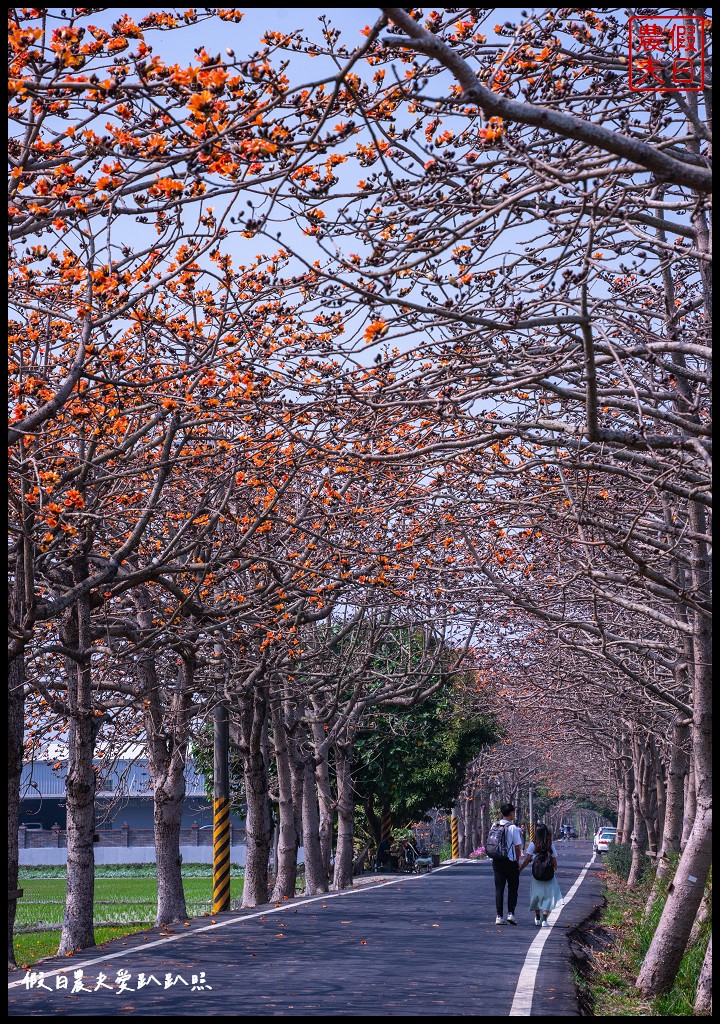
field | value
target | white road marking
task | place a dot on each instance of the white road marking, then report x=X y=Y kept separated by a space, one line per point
x=73 y=965
x=522 y=1002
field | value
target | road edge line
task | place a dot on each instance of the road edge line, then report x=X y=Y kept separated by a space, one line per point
x=525 y=989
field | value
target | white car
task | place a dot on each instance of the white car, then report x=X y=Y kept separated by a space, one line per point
x=603 y=838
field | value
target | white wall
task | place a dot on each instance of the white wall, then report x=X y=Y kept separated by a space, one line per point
x=129 y=855
x=135 y=855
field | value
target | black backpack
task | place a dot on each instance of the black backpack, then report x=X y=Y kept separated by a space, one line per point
x=496 y=843
x=542 y=866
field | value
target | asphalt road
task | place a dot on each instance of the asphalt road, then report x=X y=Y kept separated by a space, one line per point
x=415 y=945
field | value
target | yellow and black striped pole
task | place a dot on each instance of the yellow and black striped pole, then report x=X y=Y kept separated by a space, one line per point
x=454 y=836
x=221 y=812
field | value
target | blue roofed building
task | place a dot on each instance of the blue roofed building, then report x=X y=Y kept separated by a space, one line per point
x=124 y=795
x=123 y=812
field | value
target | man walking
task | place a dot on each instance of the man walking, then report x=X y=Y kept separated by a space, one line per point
x=504 y=845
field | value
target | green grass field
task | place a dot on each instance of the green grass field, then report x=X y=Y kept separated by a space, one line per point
x=123 y=905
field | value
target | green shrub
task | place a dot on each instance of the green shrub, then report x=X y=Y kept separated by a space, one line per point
x=618 y=859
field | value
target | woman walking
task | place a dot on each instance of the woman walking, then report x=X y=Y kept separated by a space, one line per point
x=545 y=892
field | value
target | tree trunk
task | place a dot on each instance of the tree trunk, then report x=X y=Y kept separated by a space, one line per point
x=275 y=827
x=629 y=822
x=703 y=999
x=689 y=806
x=287 y=843
x=344 y=852
x=671 y=936
x=474 y=840
x=637 y=842
x=297 y=774
x=15 y=713
x=169 y=793
x=258 y=830
x=460 y=817
x=374 y=822
x=660 y=792
x=169 y=798
x=315 y=877
x=672 y=820
x=470 y=826
x=644 y=791
x=326 y=802
x=621 y=811
x=677 y=771
x=702 y=915
x=674 y=799
x=167 y=731
x=77 y=928
x=485 y=820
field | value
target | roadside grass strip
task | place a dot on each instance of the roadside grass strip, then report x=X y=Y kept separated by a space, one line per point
x=264 y=912
x=525 y=989
x=118 y=901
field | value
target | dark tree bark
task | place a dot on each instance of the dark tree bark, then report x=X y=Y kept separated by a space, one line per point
x=629 y=817
x=689 y=806
x=288 y=840
x=674 y=797
x=373 y=821
x=253 y=722
x=315 y=876
x=77 y=929
x=461 y=822
x=168 y=741
x=344 y=852
x=485 y=811
x=638 y=842
x=660 y=796
x=326 y=802
x=645 y=803
x=167 y=729
x=621 y=810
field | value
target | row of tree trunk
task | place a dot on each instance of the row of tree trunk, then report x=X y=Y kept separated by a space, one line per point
x=289 y=761
x=285 y=755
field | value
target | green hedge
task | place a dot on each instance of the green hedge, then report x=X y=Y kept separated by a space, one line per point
x=618 y=859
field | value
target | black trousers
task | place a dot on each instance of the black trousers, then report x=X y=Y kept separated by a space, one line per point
x=506 y=872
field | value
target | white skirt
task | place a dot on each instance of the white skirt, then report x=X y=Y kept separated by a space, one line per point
x=545 y=896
